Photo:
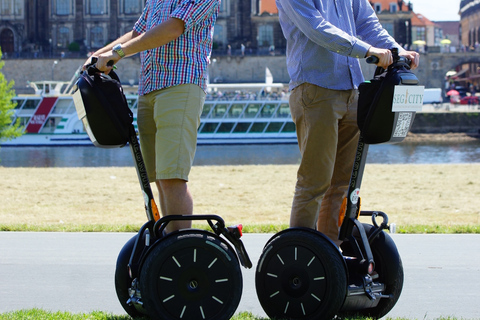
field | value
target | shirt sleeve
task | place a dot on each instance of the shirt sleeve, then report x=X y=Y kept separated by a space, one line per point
x=311 y=22
x=194 y=11
x=369 y=28
x=141 y=24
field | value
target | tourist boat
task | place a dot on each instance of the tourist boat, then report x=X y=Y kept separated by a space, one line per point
x=255 y=113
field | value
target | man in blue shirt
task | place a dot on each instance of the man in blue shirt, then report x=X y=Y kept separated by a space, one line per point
x=325 y=40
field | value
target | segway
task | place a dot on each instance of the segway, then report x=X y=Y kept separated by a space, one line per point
x=301 y=274
x=187 y=274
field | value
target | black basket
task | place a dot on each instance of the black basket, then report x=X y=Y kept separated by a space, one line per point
x=376 y=120
x=103 y=109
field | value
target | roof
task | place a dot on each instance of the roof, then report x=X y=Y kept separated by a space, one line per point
x=420 y=20
x=386 y=4
x=268 y=6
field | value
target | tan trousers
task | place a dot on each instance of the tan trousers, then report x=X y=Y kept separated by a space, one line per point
x=327 y=132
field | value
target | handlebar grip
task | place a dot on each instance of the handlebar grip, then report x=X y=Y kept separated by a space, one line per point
x=372 y=60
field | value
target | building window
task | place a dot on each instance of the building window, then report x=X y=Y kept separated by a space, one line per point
x=96 y=7
x=96 y=37
x=393 y=7
x=63 y=37
x=265 y=35
x=421 y=33
x=11 y=7
x=131 y=7
x=224 y=6
x=378 y=7
x=218 y=36
x=63 y=7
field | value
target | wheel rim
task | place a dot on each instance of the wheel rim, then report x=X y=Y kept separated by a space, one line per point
x=195 y=281
x=295 y=281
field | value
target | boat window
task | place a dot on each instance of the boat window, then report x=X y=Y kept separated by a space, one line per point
x=289 y=127
x=206 y=109
x=219 y=111
x=23 y=121
x=29 y=107
x=31 y=104
x=274 y=127
x=62 y=106
x=242 y=127
x=235 y=110
x=283 y=111
x=268 y=110
x=252 y=110
x=225 y=127
x=18 y=102
x=258 y=127
x=209 y=127
x=51 y=124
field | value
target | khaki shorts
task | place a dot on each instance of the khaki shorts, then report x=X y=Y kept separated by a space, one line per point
x=167 y=121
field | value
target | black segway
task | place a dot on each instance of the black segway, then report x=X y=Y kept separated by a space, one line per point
x=187 y=274
x=301 y=274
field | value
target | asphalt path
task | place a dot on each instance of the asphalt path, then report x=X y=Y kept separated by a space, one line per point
x=74 y=272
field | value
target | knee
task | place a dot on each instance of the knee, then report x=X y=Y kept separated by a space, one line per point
x=168 y=185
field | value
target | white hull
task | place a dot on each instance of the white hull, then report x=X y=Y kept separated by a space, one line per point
x=232 y=114
x=81 y=139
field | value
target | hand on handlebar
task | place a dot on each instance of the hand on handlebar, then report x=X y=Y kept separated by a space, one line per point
x=413 y=56
x=102 y=63
x=384 y=56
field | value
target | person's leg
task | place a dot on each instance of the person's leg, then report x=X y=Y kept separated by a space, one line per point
x=177 y=117
x=315 y=114
x=347 y=143
x=175 y=198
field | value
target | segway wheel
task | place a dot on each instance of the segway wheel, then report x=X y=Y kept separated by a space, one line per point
x=388 y=266
x=301 y=274
x=123 y=282
x=191 y=275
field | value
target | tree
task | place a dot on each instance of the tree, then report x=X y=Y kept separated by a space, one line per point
x=7 y=106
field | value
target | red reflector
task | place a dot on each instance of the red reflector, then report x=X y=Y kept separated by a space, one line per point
x=370 y=268
x=240 y=228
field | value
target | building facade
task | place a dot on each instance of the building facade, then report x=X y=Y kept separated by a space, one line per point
x=53 y=28
x=395 y=16
x=48 y=28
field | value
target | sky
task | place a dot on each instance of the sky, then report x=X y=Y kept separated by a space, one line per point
x=437 y=10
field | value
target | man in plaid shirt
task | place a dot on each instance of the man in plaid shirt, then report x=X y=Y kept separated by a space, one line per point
x=174 y=38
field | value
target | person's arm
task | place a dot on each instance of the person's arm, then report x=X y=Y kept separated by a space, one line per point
x=158 y=36
x=313 y=24
x=371 y=31
x=108 y=48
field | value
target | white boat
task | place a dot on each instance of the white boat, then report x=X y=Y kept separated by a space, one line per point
x=255 y=113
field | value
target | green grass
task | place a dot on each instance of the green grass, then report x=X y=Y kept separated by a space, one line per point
x=248 y=228
x=38 y=314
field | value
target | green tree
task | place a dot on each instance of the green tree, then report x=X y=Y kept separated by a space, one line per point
x=7 y=106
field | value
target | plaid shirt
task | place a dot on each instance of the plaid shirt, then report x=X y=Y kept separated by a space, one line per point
x=184 y=60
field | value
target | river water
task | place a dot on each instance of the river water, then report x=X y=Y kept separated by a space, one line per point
x=404 y=153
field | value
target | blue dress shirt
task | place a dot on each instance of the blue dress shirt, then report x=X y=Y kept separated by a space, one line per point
x=325 y=39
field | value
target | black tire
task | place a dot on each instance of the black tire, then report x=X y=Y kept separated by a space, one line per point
x=301 y=274
x=123 y=282
x=191 y=275
x=388 y=265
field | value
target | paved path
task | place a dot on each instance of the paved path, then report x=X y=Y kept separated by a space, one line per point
x=74 y=272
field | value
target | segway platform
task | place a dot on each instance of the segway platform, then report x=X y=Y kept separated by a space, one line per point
x=187 y=274
x=301 y=274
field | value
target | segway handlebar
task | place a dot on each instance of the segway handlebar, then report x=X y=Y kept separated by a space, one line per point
x=232 y=234
x=397 y=60
x=92 y=67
